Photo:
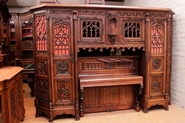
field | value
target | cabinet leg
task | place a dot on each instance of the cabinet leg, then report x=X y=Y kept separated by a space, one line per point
x=37 y=115
x=81 y=102
x=137 y=107
x=22 y=119
x=166 y=108
x=77 y=118
x=145 y=110
x=50 y=119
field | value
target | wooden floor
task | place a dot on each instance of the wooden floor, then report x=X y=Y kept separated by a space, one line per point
x=175 y=114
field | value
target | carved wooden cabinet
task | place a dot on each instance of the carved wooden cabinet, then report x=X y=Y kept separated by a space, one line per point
x=11 y=95
x=26 y=39
x=18 y=35
x=71 y=40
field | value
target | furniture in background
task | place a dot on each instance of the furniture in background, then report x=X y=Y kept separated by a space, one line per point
x=11 y=87
x=67 y=37
x=11 y=95
x=17 y=33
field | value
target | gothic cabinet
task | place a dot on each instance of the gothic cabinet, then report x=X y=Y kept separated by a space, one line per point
x=158 y=59
x=54 y=63
x=62 y=31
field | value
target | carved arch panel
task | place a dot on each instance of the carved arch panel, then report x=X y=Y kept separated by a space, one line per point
x=91 y=28
x=41 y=33
x=61 y=37
x=157 y=38
x=132 y=29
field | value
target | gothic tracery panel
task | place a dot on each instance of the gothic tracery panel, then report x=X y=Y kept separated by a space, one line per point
x=132 y=29
x=41 y=38
x=157 y=38
x=61 y=39
x=91 y=29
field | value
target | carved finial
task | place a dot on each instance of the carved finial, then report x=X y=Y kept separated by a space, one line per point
x=112 y=50
x=123 y=49
x=101 y=50
x=133 y=49
x=90 y=50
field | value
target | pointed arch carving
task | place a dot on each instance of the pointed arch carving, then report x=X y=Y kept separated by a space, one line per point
x=157 y=41
x=61 y=37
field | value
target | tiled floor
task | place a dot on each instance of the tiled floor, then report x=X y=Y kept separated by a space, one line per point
x=175 y=114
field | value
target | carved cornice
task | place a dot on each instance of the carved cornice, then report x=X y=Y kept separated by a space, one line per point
x=109 y=14
x=130 y=14
x=90 y=12
x=156 y=15
x=66 y=12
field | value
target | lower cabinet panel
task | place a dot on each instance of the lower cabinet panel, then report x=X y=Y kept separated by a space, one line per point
x=111 y=98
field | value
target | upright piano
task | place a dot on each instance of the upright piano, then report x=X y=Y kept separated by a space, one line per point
x=92 y=58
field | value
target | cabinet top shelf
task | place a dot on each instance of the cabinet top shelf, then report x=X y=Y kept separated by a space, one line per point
x=45 y=6
x=8 y=72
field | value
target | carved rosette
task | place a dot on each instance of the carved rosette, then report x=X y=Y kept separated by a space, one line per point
x=62 y=67
x=157 y=63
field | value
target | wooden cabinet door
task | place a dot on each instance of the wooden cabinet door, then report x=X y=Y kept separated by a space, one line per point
x=63 y=60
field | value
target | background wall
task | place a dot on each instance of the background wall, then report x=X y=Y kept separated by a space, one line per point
x=178 y=53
